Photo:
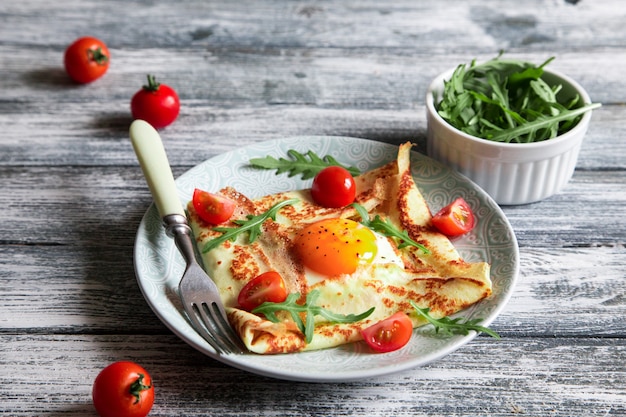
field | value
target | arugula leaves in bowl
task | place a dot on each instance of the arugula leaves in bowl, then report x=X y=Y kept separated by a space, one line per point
x=509 y=101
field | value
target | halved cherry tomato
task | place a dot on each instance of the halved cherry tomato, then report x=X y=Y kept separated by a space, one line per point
x=212 y=208
x=86 y=59
x=389 y=334
x=455 y=219
x=123 y=389
x=157 y=104
x=268 y=286
x=333 y=187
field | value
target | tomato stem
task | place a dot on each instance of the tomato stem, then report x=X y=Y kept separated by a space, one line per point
x=152 y=84
x=97 y=56
x=138 y=386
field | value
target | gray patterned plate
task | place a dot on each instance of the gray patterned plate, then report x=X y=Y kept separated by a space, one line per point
x=159 y=266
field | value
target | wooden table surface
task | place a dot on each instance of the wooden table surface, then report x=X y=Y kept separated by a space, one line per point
x=72 y=194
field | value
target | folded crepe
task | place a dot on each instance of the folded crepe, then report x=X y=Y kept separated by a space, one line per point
x=438 y=279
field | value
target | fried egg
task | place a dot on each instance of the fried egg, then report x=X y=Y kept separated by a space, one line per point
x=336 y=247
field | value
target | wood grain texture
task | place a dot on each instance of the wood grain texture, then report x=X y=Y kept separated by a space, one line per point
x=349 y=94
x=72 y=194
x=526 y=385
x=191 y=384
x=104 y=204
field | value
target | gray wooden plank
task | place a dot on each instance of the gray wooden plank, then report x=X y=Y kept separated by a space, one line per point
x=460 y=26
x=104 y=205
x=528 y=376
x=237 y=102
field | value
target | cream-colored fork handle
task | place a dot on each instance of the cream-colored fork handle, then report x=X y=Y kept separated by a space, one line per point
x=156 y=168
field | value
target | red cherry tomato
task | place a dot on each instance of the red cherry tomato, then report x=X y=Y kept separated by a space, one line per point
x=389 y=334
x=454 y=219
x=123 y=389
x=333 y=187
x=157 y=104
x=212 y=208
x=268 y=286
x=86 y=60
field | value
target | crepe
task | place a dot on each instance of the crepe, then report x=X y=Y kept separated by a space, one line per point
x=439 y=280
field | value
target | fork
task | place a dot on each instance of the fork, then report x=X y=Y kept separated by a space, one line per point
x=198 y=293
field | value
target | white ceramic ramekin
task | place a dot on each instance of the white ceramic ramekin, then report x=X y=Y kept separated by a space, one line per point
x=511 y=173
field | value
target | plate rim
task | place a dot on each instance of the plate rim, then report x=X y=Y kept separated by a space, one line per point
x=243 y=363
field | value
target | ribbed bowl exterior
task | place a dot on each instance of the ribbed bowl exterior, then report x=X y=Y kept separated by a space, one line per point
x=511 y=173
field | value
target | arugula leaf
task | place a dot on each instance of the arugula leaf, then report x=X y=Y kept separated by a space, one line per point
x=299 y=164
x=386 y=228
x=252 y=225
x=453 y=326
x=507 y=101
x=309 y=308
x=530 y=128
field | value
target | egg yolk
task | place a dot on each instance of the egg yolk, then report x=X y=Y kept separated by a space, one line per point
x=333 y=247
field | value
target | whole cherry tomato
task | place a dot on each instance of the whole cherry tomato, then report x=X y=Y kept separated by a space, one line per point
x=123 y=389
x=157 y=104
x=454 y=219
x=268 y=286
x=333 y=187
x=86 y=60
x=389 y=334
x=212 y=208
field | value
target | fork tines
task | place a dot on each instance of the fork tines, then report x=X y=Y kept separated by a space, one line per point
x=210 y=322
